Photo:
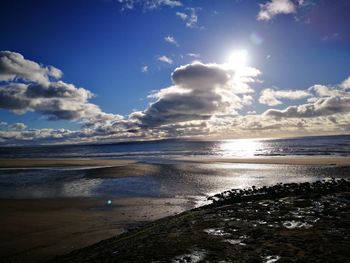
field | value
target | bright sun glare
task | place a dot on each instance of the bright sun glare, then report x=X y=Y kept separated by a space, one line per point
x=238 y=59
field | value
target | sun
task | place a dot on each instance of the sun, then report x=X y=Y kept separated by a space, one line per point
x=238 y=59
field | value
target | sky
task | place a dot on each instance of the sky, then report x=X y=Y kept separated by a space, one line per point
x=124 y=70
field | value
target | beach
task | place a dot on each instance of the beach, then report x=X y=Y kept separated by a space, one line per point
x=177 y=131
x=285 y=223
x=35 y=229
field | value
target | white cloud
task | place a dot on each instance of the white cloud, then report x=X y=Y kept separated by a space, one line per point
x=165 y=59
x=28 y=86
x=200 y=91
x=144 y=69
x=321 y=107
x=190 y=18
x=148 y=4
x=14 y=65
x=272 y=97
x=345 y=84
x=171 y=40
x=182 y=15
x=57 y=100
x=275 y=7
x=326 y=91
x=327 y=101
x=14 y=126
x=330 y=37
x=194 y=55
x=204 y=100
x=19 y=126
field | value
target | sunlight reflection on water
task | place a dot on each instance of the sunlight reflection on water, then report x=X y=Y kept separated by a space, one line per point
x=241 y=148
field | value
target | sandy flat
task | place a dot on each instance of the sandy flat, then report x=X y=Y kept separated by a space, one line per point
x=37 y=230
x=292 y=160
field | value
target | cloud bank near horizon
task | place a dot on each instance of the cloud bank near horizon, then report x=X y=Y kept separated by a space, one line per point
x=205 y=100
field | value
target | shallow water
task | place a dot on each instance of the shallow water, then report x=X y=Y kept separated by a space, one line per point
x=174 y=178
x=194 y=181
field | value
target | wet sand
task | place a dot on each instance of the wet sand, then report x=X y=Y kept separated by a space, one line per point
x=283 y=223
x=37 y=230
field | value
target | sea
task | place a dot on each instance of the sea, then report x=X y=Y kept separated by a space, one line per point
x=175 y=178
x=165 y=149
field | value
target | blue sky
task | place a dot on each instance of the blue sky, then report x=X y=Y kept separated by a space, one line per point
x=105 y=47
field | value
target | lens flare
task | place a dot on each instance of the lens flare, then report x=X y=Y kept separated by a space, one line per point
x=256 y=38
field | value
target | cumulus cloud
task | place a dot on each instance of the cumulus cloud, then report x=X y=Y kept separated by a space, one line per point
x=345 y=84
x=321 y=107
x=14 y=65
x=57 y=100
x=28 y=86
x=204 y=101
x=327 y=100
x=272 y=97
x=326 y=91
x=275 y=7
x=199 y=91
x=19 y=126
x=171 y=40
x=165 y=59
x=14 y=126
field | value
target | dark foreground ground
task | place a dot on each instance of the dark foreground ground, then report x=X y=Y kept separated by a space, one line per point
x=284 y=223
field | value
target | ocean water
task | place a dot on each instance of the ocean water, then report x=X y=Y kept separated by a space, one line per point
x=192 y=181
x=308 y=146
